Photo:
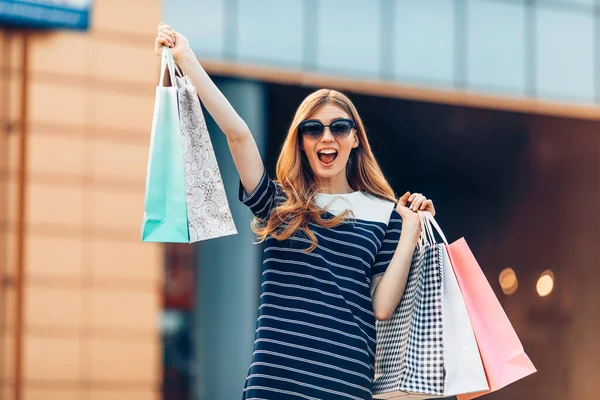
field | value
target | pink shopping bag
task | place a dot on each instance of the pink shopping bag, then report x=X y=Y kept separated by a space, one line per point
x=502 y=353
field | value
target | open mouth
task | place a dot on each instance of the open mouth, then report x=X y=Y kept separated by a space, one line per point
x=327 y=156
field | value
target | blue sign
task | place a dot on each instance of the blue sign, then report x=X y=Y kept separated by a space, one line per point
x=46 y=14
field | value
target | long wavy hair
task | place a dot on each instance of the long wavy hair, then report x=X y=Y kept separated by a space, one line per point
x=295 y=175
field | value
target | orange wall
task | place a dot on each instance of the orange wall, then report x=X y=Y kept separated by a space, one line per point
x=91 y=299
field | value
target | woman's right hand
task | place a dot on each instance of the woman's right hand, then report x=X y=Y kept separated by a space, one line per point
x=179 y=45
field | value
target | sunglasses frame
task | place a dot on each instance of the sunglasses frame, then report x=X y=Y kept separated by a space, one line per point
x=337 y=136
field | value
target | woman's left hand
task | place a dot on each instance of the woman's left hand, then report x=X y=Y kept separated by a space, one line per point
x=418 y=202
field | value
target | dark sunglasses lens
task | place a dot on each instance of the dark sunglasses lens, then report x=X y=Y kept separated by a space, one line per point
x=341 y=128
x=311 y=128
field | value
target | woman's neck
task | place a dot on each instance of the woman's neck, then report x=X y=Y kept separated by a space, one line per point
x=335 y=185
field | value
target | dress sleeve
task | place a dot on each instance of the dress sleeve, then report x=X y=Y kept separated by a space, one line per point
x=388 y=246
x=262 y=199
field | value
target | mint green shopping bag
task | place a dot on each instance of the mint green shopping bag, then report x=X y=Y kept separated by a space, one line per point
x=165 y=209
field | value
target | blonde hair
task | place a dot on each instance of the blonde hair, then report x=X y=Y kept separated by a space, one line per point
x=299 y=184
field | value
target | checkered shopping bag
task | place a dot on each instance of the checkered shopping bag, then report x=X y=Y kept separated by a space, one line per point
x=410 y=354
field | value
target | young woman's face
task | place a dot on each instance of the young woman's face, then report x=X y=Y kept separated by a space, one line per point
x=328 y=152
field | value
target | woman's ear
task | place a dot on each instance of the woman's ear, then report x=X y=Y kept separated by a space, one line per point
x=356 y=141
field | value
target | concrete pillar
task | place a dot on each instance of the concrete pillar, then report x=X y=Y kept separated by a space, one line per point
x=228 y=269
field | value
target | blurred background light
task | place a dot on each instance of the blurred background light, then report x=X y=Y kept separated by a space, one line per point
x=508 y=281
x=545 y=283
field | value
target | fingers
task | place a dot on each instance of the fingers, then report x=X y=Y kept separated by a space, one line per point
x=167 y=34
x=404 y=199
x=167 y=30
x=416 y=200
x=426 y=204
x=419 y=202
x=163 y=26
x=165 y=39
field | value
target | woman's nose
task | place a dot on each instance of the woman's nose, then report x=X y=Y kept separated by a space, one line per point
x=327 y=135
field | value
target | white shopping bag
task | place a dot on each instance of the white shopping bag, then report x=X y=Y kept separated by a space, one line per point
x=208 y=212
x=463 y=364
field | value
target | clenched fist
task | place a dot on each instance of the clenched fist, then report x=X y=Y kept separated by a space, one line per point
x=178 y=44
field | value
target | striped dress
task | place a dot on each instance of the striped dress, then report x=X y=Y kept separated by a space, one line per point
x=315 y=333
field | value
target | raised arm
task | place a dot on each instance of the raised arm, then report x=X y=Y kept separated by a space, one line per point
x=241 y=142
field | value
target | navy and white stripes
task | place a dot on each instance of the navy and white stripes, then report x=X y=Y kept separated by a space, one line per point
x=315 y=336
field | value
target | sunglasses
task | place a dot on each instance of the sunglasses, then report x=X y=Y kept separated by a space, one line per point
x=340 y=128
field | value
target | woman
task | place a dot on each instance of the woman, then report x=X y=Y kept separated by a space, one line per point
x=338 y=246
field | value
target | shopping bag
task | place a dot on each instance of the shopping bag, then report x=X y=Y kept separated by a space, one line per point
x=165 y=210
x=428 y=349
x=185 y=197
x=414 y=329
x=208 y=212
x=504 y=358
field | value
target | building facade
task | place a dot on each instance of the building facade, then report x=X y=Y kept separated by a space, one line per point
x=81 y=295
x=488 y=106
x=541 y=49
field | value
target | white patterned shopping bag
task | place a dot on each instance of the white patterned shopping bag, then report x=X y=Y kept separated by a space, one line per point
x=428 y=348
x=209 y=215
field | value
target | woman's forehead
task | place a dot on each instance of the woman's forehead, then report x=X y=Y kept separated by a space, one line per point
x=328 y=113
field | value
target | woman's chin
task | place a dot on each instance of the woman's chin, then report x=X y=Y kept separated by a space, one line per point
x=324 y=172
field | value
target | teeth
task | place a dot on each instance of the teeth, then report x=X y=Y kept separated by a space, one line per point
x=328 y=151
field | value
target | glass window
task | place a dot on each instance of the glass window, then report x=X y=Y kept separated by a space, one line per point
x=271 y=30
x=565 y=55
x=424 y=41
x=201 y=21
x=496 y=46
x=348 y=38
x=566 y=2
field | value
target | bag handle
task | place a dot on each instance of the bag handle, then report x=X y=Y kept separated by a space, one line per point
x=423 y=238
x=426 y=238
x=174 y=69
x=426 y=234
x=167 y=62
x=427 y=221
